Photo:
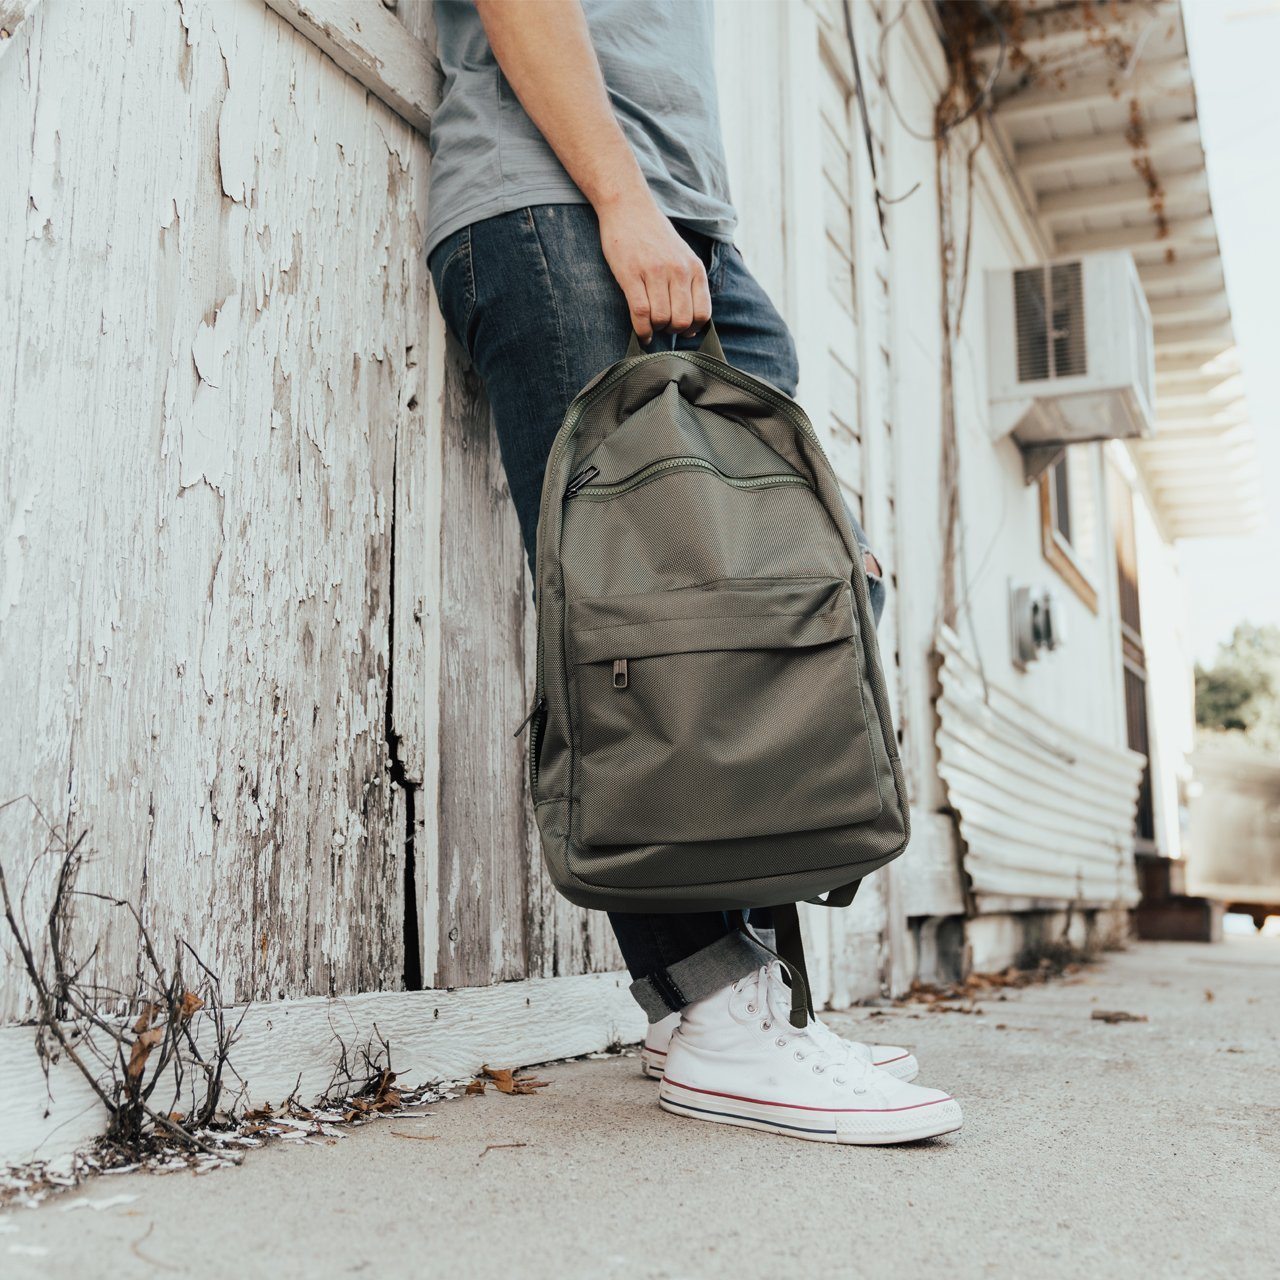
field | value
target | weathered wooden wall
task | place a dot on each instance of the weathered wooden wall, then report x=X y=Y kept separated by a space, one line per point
x=265 y=622
x=216 y=305
x=234 y=644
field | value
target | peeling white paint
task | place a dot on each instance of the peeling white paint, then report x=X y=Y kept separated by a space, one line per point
x=15 y=544
x=213 y=342
x=231 y=392
x=193 y=416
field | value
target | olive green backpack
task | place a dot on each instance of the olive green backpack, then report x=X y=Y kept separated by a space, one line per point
x=711 y=729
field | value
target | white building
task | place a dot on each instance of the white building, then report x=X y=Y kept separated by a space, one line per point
x=264 y=626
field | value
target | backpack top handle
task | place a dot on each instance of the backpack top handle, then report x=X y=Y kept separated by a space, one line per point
x=709 y=346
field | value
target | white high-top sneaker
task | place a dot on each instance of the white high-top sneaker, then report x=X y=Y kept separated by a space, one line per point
x=736 y=1059
x=897 y=1061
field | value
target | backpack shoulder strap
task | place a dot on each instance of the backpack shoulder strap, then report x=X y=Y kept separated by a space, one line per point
x=790 y=946
x=790 y=951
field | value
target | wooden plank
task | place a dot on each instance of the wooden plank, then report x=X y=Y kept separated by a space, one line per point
x=434 y=1036
x=1175 y=318
x=1052 y=32
x=836 y=163
x=1142 y=240
x=1166 y=77
x=840 y=283
x=195 y=652
x=367 y=42
x=483 y=850
x=1118 y=198
x=838 y=220
x=1093 y=151
x=417 y=17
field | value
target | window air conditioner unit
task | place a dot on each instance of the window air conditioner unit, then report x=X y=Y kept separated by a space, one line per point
x=1071 y=355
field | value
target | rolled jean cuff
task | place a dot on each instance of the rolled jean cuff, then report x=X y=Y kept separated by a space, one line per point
x=666 y=991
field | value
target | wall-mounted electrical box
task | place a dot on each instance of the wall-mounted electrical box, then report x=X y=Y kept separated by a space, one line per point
x=1036 y=623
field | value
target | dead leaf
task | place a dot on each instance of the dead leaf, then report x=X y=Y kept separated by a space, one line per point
x=504 y=1079
x=475 y=1088
x=141 y=1051
x=507 y=1081
x=990 y=985
x=146 y=1017
x=1117 y=1015
x=189 y=1003
x=385 y=1098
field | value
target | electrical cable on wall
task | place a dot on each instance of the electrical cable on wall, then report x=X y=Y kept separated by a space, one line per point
x=881 y=199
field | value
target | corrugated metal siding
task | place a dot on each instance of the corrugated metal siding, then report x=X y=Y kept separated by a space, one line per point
x=1045 y=812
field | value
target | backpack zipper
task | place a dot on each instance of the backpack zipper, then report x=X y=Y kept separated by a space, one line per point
x=580 y=486
x=576 y=482
x=538 y=704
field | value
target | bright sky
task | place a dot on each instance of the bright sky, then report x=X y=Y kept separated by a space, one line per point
x=1235 y=56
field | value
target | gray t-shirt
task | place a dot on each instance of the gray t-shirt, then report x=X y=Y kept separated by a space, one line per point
x=657 y=58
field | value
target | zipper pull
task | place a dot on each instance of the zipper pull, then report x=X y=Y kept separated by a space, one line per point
x=524 y=724
x=620 y=673
x=585 y=476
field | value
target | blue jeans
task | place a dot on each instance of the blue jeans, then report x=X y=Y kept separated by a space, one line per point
x=531 y=298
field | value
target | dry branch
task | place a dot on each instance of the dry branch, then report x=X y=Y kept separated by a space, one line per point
x=139 y=1049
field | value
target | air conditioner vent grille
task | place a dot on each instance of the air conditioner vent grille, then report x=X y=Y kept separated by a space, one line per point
x=1049 y=314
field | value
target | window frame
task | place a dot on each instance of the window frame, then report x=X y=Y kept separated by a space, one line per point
x=1056 y=548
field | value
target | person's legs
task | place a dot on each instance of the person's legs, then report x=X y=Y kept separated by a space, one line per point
x=531 y=298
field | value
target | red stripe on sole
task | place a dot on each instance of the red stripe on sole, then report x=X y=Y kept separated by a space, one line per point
x=796 y=1106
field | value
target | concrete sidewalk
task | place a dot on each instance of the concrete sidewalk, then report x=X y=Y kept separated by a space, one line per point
x=1148 y=1148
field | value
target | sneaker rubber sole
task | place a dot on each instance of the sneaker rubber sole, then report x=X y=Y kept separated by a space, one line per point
x=852 y=1126
x=652 y=1062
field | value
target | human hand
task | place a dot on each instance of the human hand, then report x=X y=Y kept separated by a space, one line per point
x=662 y=279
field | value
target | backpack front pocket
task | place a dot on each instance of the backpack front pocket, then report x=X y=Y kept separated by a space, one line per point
x=719 y=712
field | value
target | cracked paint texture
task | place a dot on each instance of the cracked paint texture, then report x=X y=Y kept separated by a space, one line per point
x=209 y=317
x=253 y=531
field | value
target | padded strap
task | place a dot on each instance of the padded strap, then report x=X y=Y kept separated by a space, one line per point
x=709 y=346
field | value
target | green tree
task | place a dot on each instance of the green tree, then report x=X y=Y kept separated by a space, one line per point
x=1240 y=693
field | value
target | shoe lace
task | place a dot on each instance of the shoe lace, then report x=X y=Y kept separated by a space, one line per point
x=768 y=995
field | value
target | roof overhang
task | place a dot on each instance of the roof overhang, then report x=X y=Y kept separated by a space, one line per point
x=1096 y=108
